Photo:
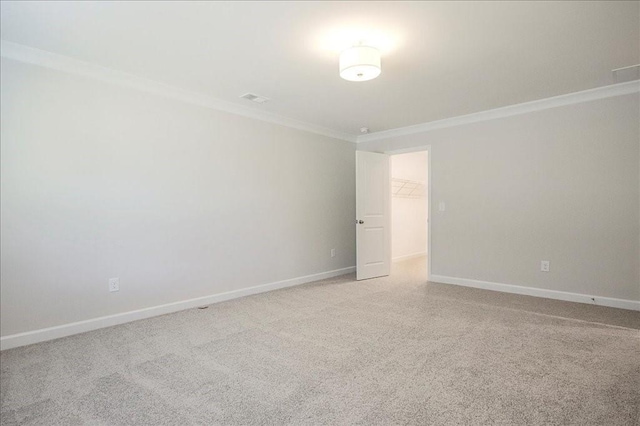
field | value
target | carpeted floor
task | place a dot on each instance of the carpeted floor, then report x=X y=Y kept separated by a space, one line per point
x=389 y=351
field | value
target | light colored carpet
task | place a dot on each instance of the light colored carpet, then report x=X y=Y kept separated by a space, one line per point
x=389 y=351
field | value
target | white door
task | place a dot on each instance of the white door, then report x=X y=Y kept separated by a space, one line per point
x=373 y=215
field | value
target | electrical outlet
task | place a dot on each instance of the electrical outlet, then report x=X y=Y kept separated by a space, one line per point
x=544 y=266
x=114 y=284
x=333 y=252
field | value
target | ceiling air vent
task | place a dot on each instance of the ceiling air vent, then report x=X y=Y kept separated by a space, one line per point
x=630 y=73
x=255 y=98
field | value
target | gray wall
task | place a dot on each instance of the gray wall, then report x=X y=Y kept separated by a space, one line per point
x=178 y=201
x=560 y=185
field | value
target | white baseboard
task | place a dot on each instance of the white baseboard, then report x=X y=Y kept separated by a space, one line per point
x=633 y=305
x=36 y=336
x=409 y=256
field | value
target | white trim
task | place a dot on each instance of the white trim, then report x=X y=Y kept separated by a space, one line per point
x=626 y=68
x=633 y=305
x=19 y=52
x=620 y=89
x=67 y=64
x=30 y=337
x=409 y=256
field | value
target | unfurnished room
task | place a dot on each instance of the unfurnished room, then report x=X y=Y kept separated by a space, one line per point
x=320 y=213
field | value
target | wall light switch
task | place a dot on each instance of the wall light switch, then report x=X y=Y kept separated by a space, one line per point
x=441 y=206
x=333 y=252
x=544 y=266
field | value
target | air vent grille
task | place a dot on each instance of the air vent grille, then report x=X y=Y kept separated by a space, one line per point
x=624 y=74
x=255 y=98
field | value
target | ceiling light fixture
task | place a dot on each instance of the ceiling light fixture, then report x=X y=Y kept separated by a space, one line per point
x=360 y=63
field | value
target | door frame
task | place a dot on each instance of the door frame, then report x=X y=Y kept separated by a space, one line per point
x=420 y=148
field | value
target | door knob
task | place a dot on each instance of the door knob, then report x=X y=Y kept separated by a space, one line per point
x=360 y=221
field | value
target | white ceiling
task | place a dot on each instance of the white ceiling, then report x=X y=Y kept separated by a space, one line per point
x=440 y=59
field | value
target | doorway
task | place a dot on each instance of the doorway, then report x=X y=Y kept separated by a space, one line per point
x=410 y=212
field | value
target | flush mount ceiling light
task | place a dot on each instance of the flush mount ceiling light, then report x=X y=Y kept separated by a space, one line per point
x=360 y=63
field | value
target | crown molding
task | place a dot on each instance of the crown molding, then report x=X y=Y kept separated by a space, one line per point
x=22 y=53
x=67 y=64
x=508 y=111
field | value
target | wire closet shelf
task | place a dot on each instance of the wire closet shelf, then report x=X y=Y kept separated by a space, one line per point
x=404 y=188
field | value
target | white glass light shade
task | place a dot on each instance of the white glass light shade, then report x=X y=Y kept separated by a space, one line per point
x=360 y=63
